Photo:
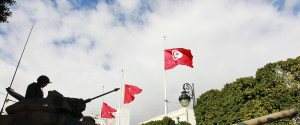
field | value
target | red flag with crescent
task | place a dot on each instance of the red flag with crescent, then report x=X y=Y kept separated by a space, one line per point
x=178 y=56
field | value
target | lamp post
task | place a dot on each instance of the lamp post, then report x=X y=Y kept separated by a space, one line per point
x=186 y=95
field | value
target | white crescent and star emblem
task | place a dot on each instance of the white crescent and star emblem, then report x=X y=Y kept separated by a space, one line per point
x=176 y=54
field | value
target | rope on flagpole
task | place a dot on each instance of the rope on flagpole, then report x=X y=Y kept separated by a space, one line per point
x=165 y=81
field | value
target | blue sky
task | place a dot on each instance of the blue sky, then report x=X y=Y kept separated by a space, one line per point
x=281 y=5
x=83 y=46
x=145 y=6
x=81 y=4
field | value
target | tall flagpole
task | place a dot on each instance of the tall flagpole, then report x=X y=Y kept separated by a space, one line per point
x=102 y=97
x=102 y=119
x=120 y=97
x=166 y=101
x=102 y=93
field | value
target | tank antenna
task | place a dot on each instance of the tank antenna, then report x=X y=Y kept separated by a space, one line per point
x=6 y=98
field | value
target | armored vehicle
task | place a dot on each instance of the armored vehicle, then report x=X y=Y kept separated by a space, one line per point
x=55 y=109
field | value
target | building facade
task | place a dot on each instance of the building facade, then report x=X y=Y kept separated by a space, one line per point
x=183 y=114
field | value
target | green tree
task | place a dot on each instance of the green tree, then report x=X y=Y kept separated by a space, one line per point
x=166 y=121
x=4 y=10
x=274 y=88
x=184 y=123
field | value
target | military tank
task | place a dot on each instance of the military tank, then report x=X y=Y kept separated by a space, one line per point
x=55 y=109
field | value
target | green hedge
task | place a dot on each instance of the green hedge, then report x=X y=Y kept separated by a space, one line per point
x=166 y=121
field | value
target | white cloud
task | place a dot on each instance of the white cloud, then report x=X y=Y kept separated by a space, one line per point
x=129 y=5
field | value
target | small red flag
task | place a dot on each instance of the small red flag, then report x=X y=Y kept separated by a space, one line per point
x=178 y=56
x=130 y=91
x=106 y=111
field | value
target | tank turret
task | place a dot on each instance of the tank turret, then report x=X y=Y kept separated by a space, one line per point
x=55 y=109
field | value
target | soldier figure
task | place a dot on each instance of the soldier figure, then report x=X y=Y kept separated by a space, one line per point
x=34 y=90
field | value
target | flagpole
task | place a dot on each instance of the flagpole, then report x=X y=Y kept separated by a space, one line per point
x=102 y=97
x=165 y=81
x=102 y=93
x=102 y=106
x=120 y=97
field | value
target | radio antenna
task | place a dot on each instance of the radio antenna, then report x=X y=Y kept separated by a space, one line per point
x=6 y=98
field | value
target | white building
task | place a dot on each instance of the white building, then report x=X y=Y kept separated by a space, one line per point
x=123 y=115
x=183 y=114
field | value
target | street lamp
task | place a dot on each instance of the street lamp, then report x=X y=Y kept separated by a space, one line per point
x=186 y=95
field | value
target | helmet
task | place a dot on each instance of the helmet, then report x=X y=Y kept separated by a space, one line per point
x=43 y=79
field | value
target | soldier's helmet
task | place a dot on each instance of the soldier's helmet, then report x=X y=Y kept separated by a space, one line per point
x=43 y=79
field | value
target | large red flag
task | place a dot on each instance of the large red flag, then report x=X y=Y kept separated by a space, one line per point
x=130 y=91
x=178 y=56
x=106 y=111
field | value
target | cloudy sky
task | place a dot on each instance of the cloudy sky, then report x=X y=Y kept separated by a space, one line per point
x=83 y=46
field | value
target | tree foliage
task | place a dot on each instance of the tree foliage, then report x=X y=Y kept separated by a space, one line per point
x=166 y=121
x=274 y=88
x=4 y=10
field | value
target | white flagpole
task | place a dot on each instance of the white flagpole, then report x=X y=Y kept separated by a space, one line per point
x=166 y=101
x=102 y=92
x=120 y=97
x=102 y=105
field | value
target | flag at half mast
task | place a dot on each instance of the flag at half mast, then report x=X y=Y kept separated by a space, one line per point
x=107 y=111
x=178 y=56
x=130 y=91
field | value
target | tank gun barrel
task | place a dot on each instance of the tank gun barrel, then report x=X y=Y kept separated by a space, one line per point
x=90 y=99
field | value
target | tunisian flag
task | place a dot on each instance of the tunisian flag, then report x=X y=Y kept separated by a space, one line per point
x=106 y=111
x=130 y=91
x=178 y=56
